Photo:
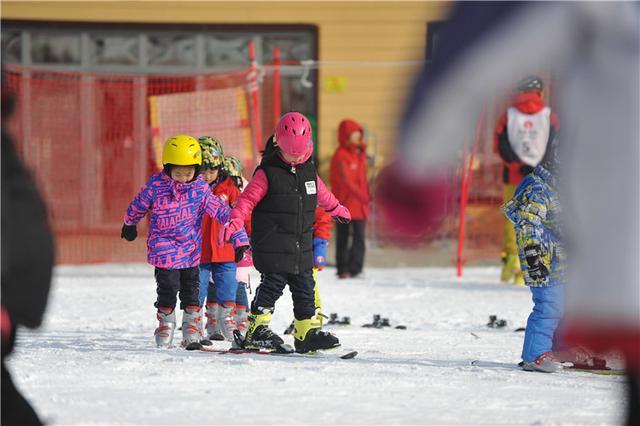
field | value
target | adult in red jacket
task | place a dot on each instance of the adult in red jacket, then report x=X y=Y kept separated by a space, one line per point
x=350 y=186
x=521 y=139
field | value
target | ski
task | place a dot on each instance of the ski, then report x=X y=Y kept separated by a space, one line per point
x=514 y=366
x=347 y=354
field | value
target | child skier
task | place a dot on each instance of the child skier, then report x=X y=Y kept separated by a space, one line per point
x=283 y=195
x=177 y=198
x=521 y=138
x=535 y=213
x=233 y=168
x=218 y=260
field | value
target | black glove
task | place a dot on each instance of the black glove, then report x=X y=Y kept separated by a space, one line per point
x=537 y=270
x=525 y=169
x=239 y=253
x=129 y=232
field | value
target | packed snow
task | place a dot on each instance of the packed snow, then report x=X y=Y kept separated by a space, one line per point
x=94 y=360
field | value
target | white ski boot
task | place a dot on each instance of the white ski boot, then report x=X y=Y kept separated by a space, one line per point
x=226 y=320
x=191 y=328
x=213 y=331
x=166 y=326
x=242 y=320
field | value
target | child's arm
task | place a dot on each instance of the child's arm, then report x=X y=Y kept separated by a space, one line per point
x=528 y=211
x=248 y=199
x=331 y=205
x=219 y=210
x=136 y=211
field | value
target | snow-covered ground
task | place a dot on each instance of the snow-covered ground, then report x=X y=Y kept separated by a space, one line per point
x=94 y=361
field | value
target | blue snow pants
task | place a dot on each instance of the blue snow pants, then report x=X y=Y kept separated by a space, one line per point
x=241 y=296
x=225 y=285
x=548 y=308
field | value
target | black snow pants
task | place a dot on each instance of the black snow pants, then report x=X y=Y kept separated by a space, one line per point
x=169 y=281
x=272 y=286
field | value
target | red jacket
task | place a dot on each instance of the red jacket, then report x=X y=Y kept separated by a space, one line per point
x=322 y=225
x=211 y=251
x=514 y=170
x=349 y=173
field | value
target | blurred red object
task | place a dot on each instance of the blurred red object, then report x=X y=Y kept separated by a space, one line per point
x=412 y=207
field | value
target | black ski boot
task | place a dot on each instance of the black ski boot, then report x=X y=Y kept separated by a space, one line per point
x=309 y=337
x=259 y=335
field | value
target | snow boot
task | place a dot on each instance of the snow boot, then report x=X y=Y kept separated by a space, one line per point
x=259 y=335
x=166 y=326
x=226 y=320
x=308 y=336
x=213 y=331
x=545 y=363
x=191 y=327
x=242 y=319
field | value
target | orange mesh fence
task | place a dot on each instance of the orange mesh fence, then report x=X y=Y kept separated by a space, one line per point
x=88 y=139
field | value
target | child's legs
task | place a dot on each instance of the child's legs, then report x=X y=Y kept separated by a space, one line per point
x=242 y=301
x=543 y=321
x=189 y=286
x=269 y=291
x=356 y=252
x=205 y=274
x=342 y=247
x=226 y=285
x=302 y=290
x=167 y=285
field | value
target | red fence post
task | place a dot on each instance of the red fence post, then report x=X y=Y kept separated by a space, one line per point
x=466 y=172
x=253 y=90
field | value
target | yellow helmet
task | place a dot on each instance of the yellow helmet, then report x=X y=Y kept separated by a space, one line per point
x=182 y=150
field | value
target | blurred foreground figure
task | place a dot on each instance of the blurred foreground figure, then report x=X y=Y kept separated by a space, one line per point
x=594 y=49
x=27 y=261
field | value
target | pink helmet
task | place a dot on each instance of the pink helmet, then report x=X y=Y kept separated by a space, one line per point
x=293 y=134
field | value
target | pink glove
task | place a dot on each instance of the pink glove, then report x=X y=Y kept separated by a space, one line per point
x=228 y=230
x=340 y=214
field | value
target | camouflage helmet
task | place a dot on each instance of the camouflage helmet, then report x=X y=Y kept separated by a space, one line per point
x=232 y=167
x=212 y=155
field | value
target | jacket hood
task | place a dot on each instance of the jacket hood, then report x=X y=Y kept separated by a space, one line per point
x=529 y=102
x=345 y=129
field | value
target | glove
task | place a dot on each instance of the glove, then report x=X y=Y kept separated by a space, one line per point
x=239 y=253
x=537 y=270
x=341 y=214
x=228 y=230
x=129 y=232
x=320 y=252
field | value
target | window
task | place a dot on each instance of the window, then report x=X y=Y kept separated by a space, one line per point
x=55 y=48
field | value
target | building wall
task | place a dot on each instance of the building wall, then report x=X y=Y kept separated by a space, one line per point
x=348 y=32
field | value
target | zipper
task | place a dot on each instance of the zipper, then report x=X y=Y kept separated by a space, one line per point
x=299 y=220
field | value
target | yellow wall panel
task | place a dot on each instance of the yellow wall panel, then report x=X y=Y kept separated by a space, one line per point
x=385 y=33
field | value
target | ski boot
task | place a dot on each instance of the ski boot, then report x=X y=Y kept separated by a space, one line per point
x=242 y=319
x=226 y=320
x=259 y=335
x=213 y=331
x=545 y=363
x=191 y=328
x=166 y=326
x=308 y=336
x=290 y=328
x=333 y=319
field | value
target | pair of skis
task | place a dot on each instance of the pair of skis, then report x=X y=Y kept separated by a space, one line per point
x=282 y=350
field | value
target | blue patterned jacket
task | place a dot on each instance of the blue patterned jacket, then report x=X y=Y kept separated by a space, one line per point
x=535 y=213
